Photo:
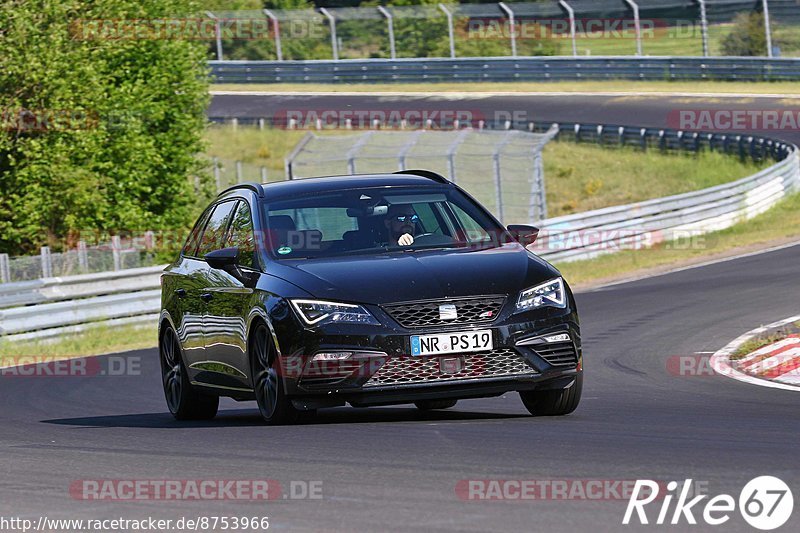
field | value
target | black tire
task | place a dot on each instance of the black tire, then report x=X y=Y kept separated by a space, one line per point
x=183 y=400
x=275 y=408
x=553 y=402
x=429 y=405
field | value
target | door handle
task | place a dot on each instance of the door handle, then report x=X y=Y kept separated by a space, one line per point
x=206 y=296
x=180 y=293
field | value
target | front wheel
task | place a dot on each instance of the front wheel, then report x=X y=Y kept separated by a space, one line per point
x=275 y=407
x=553 y=402
x=184 y=402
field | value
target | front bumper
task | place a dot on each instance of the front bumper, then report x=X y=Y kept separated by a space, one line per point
x=382 y=372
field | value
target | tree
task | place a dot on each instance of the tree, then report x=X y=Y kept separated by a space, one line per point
x=100 y=128
x=748 y=36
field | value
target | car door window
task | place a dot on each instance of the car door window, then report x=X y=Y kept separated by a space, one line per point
x=241 y=235
x=474 y=231
x=431 y=219
x=214 y=234
x=190 y=247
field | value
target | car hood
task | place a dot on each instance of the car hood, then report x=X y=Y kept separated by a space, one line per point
x=420 y=275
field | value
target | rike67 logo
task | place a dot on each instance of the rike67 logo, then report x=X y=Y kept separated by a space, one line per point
x=765 y=503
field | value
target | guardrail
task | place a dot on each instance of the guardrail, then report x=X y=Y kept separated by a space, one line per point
x=587 y=235
x=497 y=69
x=50 y=307
x=48 y=290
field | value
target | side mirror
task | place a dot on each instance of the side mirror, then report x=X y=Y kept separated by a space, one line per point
x=223 y=259
x=227 y=260
x=525 y=235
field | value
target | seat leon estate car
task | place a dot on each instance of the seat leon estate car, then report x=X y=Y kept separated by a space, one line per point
x=368 y=290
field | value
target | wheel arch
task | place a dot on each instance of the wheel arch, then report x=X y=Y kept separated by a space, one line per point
x=165 y=320
x=258 y=316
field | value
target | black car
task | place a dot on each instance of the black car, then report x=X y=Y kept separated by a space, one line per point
x=368 y=290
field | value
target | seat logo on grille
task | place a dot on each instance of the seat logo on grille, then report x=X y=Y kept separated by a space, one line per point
x=448 y=312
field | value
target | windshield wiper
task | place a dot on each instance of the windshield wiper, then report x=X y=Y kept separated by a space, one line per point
x=427 y=247
x=361 y=251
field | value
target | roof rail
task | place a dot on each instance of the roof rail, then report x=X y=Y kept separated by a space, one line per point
x=255 y=187
x=425 y=174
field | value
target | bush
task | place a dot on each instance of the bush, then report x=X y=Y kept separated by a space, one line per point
x=748 y=36
x=98 y=134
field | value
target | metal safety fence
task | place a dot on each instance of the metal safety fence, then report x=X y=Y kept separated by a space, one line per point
x=510 y=29
x=502 y=169
x=117 y=254
x=535 y=69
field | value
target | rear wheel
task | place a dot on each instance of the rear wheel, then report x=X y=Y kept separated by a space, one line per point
x=275 y=407
x=553 y=402
x=184 y=402
x=429 y=405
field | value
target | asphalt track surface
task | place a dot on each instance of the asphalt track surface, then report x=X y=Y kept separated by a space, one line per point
x=656 y=111
x=394 y=468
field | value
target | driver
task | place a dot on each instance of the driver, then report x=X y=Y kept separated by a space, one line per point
x=401 y=223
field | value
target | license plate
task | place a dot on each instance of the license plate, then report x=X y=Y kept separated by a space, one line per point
x=457 y=342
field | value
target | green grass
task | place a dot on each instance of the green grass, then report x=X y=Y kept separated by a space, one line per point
x=787 y=38
x=789 y=88
x=670 y=41
x=253 y=147
x=94 y=341
x=578 y=177
x=582 y=177
x=781 y=223
x=766 y=339
x=657 y=42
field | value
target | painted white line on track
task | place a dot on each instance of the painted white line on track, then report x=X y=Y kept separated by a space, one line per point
x=491 y=94
x=721 y=362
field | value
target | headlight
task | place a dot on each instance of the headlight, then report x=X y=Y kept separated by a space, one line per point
x=316 y=312
x=550 y=294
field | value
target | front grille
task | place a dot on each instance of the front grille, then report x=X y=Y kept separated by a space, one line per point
x=414 y=315
x=503 y=362
x=558 y=353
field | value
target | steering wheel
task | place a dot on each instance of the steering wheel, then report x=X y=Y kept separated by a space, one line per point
x=432 y=238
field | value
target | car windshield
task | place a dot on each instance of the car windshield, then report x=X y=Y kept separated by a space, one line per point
x=371 y=221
